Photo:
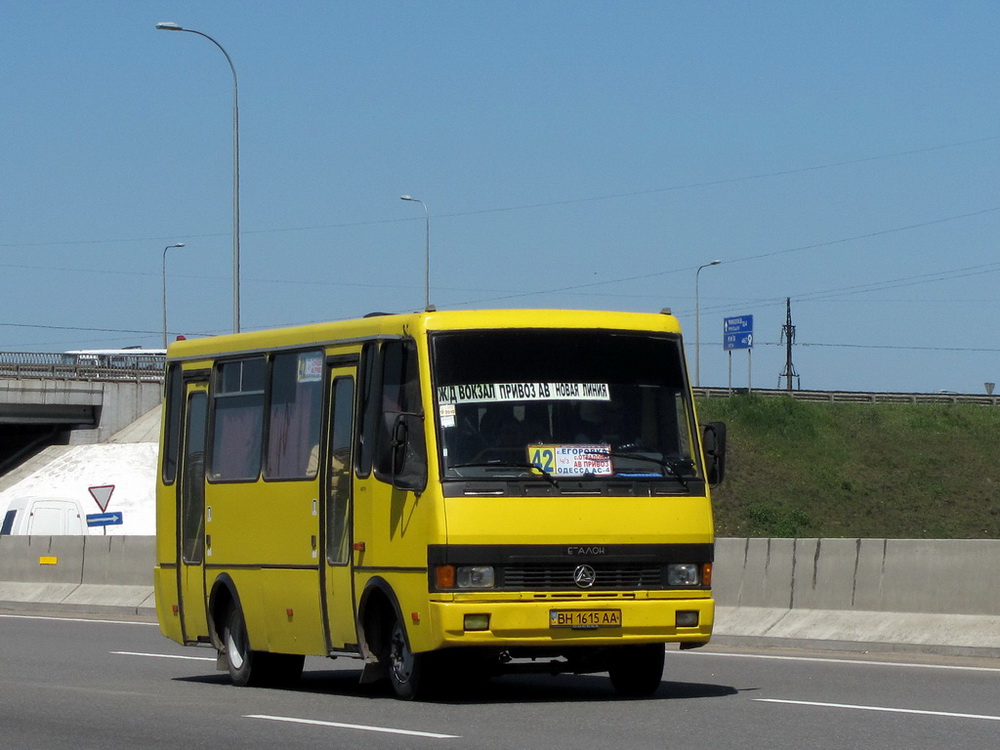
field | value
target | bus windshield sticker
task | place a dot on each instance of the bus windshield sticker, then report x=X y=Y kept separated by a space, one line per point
x=491 y=392
x=447 y=414
x=573 y=460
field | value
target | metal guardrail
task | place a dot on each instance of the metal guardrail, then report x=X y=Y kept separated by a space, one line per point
x=122 y=367
x=127 y=366
x=855 y=396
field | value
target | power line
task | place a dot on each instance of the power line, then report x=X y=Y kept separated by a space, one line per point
x=887 y=347
x=926 y=278
x=540 y=204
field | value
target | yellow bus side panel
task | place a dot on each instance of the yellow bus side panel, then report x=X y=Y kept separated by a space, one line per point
x=292 y=618
x=395 y=526
x=281 y=609
x=263 y=523
x=165 y=591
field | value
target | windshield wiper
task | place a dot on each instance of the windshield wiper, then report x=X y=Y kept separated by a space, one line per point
x=531 y=469
x=670 y=466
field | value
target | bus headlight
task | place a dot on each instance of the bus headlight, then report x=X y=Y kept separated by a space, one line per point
x=474 y=577
x=683 y=574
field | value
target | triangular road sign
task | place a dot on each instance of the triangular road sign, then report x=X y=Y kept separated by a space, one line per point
x=102 y=494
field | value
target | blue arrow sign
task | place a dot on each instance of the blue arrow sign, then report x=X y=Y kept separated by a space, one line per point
x=104 y=519
x=739 y=324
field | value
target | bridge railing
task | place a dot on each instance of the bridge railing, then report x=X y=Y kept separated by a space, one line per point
x=855 y=396
x=142 y=367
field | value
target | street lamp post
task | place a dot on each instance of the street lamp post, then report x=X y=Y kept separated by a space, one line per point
x=697 y=323
x=168 y=247
x=427 y=249
x=170 y=26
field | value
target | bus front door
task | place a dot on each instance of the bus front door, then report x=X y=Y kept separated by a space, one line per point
x=191 y=515
x=338 y=593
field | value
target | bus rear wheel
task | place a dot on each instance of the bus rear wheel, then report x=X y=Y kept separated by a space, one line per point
x=249 y=668
x=636 y=671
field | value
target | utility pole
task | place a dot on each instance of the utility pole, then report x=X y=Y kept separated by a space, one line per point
x=788 y=336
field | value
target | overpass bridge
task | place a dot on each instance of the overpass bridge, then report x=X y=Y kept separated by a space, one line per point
x=72 y=398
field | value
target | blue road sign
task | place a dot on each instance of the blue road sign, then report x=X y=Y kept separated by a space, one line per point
x=737 y=333
x=739 y=324
x=104 y=519
x=737 y=341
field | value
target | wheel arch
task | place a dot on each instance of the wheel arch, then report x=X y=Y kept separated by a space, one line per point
x=377 y=604
x=224 y=595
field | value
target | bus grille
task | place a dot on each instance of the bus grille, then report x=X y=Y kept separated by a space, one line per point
x=609 y=577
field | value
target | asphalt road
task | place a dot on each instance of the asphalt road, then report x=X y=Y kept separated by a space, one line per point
x=84 y=684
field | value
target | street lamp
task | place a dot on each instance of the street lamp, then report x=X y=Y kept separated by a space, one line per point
x=168 y=247
x=170 y=26
x=427 y=249
x=697 y=324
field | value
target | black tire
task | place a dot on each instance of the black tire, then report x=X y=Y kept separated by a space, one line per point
x=249 y=668
x=240 y=659
x=408 y=672
x=636 y=671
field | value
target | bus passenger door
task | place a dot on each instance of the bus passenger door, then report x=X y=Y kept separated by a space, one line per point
x=338 y=593
x=191 y=515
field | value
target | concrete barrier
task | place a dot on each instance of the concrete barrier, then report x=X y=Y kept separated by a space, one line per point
x=110 y=575
x=117 y=573
x=885 y=594
x=877 y=594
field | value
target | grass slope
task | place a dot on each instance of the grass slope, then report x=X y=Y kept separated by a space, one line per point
x=803 y=469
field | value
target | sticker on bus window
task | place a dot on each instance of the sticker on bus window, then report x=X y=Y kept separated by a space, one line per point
x=446 y=413
x=573 y=460
x=490 y=392
x=310 y=367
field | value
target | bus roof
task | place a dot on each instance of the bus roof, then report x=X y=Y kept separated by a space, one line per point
x=419 y=322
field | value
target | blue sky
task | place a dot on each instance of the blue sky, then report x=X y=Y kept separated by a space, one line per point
x=571 y=155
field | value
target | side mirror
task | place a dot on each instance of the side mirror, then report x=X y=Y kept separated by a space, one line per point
x=409 y=453
x=713 y=442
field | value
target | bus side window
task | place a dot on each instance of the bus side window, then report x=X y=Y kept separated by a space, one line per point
x=400 y=418
x=238 y=420
x=193 y=481
x=294 y=416
x=172 y=429
x=339 y=493
x=370 y=407
x=391 y=387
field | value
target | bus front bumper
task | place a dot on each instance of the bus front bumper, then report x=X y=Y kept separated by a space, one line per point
x=554 y=623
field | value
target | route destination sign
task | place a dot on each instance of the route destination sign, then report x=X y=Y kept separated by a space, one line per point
x=737 y=333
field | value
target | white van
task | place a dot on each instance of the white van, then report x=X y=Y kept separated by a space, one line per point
x=44 y=516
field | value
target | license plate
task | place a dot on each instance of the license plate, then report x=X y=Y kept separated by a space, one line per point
x=585 y=618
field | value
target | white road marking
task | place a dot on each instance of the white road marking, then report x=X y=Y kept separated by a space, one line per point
x=78 y=619
x=829 y=660
x=164 y=656
x=883 y=709
x=361 y=727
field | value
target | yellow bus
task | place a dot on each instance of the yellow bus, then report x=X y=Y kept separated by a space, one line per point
x=442 y=494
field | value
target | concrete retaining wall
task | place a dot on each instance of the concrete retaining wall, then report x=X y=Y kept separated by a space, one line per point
x=896 y=594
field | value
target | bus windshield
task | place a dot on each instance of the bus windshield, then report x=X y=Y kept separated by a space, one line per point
x=562 y=405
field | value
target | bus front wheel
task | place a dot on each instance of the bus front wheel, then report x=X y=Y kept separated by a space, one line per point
x=408 y=672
